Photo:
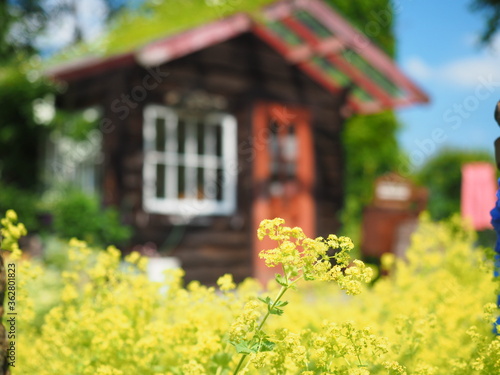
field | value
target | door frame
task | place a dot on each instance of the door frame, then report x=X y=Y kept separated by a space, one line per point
x=283 y=115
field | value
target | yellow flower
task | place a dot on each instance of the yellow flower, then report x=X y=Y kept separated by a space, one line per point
x=133 y=257
x=11 y=215
x=226 y=283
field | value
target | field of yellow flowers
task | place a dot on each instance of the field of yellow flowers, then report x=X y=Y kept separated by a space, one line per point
x=430 y=314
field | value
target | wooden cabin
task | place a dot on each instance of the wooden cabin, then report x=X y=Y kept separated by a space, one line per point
x=209 y=131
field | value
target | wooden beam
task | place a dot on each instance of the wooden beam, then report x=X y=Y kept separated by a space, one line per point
x=89 y=66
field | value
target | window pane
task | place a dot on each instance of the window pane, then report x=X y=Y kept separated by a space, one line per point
x=290 y=152
x=181 y=182
x=210 y=182
x=201 y=138
x=210 y=141
x=274 y=150
x=181 y=136
x=220 y=185
x=190 y=184
x=160 y=180
x=160 y=134
x=171 y=182
x=200 y=183
x=218 y=138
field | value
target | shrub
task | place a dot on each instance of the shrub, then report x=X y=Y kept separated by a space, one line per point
x=23 y=202
x=77 y=214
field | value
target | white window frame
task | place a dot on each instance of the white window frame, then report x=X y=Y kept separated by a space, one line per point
x=190 y=205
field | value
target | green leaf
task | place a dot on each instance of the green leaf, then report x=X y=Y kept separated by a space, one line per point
x=294 y=272
x=242 y=347
x=267 y=300
x=260 y=334
x=267 y=346
x=281 y=303
x=276 y=311
x=281 y=280
x=309 y=277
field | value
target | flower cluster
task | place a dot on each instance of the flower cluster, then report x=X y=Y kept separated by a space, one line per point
x=246 y=323
x=313 y=259
x=226 y=283
x=11 y=233
x=345 y=342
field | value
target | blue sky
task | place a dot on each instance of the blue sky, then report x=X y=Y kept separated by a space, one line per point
x=437 y=47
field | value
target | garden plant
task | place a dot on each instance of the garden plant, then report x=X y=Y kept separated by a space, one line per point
x=323 y=314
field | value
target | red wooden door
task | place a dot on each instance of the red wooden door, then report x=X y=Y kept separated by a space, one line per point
x=283 y=173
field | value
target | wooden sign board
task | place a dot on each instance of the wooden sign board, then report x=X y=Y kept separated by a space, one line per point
x=393 y=191
x=389 y=221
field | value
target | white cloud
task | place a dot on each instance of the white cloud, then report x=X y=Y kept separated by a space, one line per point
x=464 y=72
x=417 y=68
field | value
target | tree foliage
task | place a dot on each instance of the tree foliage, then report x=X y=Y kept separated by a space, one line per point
x=20 y=21
x=371 y=150
x=492 y=10
x=442 y=175
x=374 y=18
x=20 y=134
x=22 y=84
x=370 y=141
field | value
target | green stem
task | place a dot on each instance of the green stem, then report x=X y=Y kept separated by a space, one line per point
x=220 y=367
x=278 y=297
x=243 y=356
x=357 y=353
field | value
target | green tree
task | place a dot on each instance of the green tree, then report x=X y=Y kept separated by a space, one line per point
x=20 y=134
x=20 y=85
x=442 y=175
x=374 y=18
x=371 y=150
x=20 y=21
x=491 y=9
x=370 y=143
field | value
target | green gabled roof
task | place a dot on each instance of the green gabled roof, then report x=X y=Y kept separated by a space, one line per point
x=133 y=29
x=307 y=33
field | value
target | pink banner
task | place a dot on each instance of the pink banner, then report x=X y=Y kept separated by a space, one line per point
x=478 y=193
